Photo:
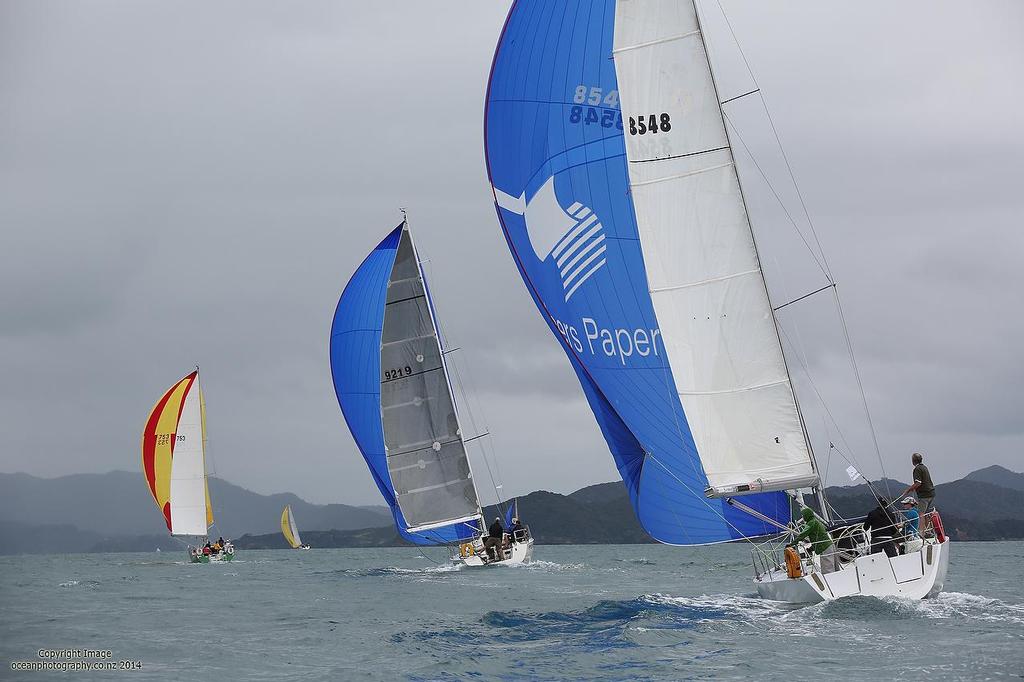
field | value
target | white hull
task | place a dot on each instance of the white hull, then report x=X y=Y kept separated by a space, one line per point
x=916 y=575
x=521 y=553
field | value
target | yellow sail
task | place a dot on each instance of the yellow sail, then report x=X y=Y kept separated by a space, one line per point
x=288 y=529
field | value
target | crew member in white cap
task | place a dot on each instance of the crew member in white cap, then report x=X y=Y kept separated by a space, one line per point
x=909 y=511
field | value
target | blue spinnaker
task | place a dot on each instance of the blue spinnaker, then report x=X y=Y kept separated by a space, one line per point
x=511 y=513
x=556 y=161
x=356 y=336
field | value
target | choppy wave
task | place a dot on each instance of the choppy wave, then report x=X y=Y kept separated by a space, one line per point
x=945 y=605
x=588 y=613
x=391 y=571
x=548 y=566
x=970 y=606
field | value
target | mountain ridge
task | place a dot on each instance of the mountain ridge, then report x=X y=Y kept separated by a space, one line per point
x=972 y=509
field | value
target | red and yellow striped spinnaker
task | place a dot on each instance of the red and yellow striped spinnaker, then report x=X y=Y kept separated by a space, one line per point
x=169 y=426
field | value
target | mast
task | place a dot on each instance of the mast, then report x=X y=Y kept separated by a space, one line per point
x=444 y=361
x=819 y=489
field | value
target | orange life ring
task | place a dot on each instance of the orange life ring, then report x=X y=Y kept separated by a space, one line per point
x=793 y=567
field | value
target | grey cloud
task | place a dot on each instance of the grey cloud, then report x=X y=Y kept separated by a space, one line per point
x=192 y=183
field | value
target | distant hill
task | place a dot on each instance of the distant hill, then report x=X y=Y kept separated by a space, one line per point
x=365 y=537
x=105 y=512
x=997 y=475
x=597 y=514
x=119 y=503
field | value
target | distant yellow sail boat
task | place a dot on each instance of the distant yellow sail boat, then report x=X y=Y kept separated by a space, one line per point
x=174 y=465
x=290 y=530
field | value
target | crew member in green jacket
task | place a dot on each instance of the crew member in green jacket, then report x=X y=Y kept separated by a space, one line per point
x=821 y=542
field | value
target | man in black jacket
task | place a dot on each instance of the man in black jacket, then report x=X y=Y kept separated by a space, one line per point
x=492 y=543
x=883 y=527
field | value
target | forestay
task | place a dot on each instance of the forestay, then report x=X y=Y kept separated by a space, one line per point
x=569 y=203
x=392 y=384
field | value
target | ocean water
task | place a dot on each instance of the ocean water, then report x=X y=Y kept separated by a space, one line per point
x=585 y=612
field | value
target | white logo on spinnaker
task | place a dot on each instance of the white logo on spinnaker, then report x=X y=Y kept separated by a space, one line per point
x=572 y=237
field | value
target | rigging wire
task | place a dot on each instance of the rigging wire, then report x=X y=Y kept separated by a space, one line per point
x=782 y=204
x=775 y=133
x=461 y=385
x=823 y=264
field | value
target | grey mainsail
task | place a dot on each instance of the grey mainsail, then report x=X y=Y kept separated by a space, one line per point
x=425 y=452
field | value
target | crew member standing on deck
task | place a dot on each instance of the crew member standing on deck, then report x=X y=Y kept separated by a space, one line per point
x=492 y=543
x=924 y=489
x=821 y=542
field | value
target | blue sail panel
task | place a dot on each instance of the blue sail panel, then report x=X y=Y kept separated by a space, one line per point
x=557 y=164
x=511 y=513
x=355 y=352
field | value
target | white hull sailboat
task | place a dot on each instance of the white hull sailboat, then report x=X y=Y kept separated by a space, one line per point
x=916 y=574
x=617 y=190
x=391 y=379
x=513 y=555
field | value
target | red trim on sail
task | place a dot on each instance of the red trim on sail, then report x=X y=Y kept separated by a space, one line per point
x=191 y=379
x=149 y=441
x=167 y=514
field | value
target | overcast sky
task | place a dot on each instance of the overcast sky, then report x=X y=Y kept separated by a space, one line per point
x=194 y=182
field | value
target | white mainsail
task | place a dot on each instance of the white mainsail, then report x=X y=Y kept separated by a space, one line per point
x=702 y=266
x=188 y=469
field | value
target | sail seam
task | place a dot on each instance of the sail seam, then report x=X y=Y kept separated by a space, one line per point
x=439 y=524
x=681 y=156
x=736 y=390
x=753 y=473
x=436 y=486
x=680 y=175
x=411 y=338
x=403 y=300
x=659 y=41
x=676 y=287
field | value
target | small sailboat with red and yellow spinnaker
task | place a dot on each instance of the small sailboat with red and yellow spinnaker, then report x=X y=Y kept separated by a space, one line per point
x=174 y=465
